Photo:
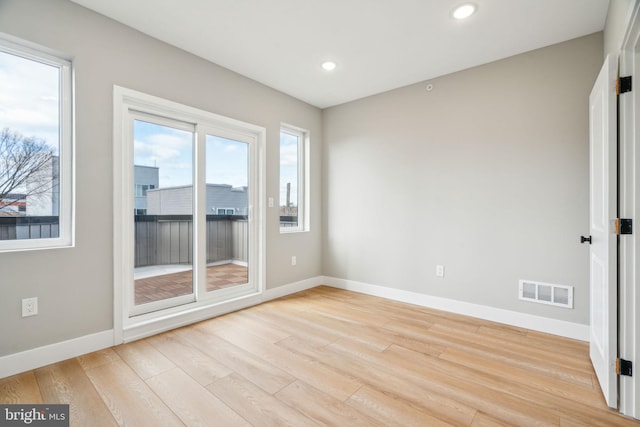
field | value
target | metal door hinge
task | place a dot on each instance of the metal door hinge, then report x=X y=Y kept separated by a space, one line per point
x=623 y=85
x=622 y=226
x=624 y=367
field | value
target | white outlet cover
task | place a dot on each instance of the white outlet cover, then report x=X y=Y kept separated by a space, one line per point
x=439 y=270
x=29 y=307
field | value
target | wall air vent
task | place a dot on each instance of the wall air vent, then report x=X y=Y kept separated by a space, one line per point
x=546 y=293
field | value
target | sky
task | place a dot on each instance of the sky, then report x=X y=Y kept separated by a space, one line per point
x=288 y=167
x=29 y=98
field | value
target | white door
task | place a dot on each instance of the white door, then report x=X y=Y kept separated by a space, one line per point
x=603 y=250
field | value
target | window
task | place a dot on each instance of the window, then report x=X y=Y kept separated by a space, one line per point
x=293 y=182
x=223 y=211
x=141 y=189
x=36 y=199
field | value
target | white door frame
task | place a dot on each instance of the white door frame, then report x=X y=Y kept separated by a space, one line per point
x=126 y=328
x=629 y=256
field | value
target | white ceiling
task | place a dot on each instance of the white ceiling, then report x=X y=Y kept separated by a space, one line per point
x=378 y=44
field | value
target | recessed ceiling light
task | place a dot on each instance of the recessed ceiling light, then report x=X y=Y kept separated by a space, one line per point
x=464 y=11
x=329 y=65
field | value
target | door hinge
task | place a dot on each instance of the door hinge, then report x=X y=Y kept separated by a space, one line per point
x=624 y=367
x=622 y=226
x=623 y=85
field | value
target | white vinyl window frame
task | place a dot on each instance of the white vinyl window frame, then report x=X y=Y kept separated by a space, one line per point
x=129 y=324
x=66 y=222
x=303 y=178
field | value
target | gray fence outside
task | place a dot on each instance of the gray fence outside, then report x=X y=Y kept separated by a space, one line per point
x=20 y=228
x=162 y=240
x=159 y=240
x=287 y=221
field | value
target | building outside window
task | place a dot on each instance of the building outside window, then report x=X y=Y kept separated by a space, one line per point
x=145 y=178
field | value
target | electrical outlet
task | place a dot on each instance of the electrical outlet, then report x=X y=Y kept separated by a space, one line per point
x=439 y=270
x=294 y=260
x=29 y=307
x=270 y=202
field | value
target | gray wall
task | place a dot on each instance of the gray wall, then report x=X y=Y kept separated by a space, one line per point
x=487 y=174
x=75 y=286
x=616 y=24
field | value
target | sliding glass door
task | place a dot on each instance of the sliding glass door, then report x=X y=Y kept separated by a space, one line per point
x=163 y=213
x=193 y=226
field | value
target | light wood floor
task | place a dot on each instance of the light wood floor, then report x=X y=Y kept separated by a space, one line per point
x=328 y=357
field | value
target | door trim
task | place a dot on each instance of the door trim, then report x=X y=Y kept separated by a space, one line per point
x=629 y=256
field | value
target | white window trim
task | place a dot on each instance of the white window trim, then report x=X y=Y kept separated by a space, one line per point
x=66 y=221
x=303 y=178
x=126 y=103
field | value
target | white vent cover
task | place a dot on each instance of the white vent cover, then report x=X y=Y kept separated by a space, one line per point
x=546 y=293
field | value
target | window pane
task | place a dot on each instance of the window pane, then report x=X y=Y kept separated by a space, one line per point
x=289 y=179
x=227 y=233
x=163 y=212
x=29 y=148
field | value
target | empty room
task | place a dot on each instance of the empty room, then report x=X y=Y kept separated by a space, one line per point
x=246 y=213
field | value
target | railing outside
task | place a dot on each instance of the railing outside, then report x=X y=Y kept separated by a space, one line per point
x=288 y=221
x=159 y=239
x=29 y=227
x=167 y=239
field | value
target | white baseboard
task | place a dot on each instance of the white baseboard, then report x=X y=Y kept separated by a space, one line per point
x=508 y=317
x=35 y=358
x=292 y=288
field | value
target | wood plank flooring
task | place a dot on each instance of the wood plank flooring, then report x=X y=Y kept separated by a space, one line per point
x=328 y=357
